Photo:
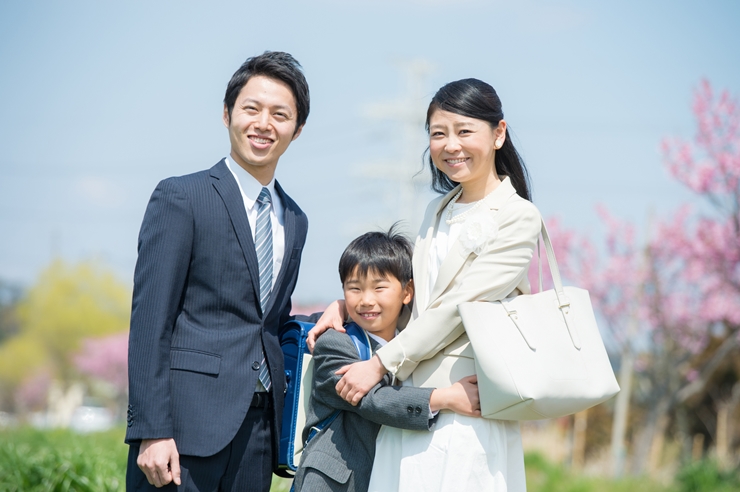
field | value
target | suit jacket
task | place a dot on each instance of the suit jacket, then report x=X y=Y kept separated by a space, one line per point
x=434 y=345
x=344 y=451
x=197 y=328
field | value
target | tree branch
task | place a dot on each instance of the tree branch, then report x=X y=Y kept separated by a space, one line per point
x=695 y=387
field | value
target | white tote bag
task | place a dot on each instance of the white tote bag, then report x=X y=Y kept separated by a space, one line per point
x=538 y=356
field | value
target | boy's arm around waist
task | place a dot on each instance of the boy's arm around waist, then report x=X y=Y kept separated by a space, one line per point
x=405 y=407
x=165 y=246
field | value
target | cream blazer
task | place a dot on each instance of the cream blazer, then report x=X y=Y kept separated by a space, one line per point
x=433 y=348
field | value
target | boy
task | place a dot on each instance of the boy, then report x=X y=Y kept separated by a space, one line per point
x=375 y=271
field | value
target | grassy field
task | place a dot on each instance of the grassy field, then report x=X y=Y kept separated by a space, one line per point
x=62 y=461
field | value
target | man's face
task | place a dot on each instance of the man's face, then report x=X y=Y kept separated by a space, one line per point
x=262 y=125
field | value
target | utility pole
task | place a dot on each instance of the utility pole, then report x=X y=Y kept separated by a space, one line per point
x=404 y=195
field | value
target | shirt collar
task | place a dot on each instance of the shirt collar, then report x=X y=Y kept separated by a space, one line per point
x=381 y=341
x=249 y=186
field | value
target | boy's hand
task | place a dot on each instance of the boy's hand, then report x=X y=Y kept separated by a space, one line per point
x=333 y=317
x=359 y=378
x=462 y=397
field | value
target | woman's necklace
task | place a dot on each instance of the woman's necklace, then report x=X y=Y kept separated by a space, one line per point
x=461 y=217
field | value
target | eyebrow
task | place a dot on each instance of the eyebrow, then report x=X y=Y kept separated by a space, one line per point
x=356 y=280
x=455 y=125
x=277 y=106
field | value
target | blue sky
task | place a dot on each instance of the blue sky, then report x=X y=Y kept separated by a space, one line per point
x=101 y=100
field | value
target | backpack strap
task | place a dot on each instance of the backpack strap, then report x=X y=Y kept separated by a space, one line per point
x=362 y=344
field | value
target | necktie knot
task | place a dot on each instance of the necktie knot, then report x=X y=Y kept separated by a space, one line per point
x=264 y=197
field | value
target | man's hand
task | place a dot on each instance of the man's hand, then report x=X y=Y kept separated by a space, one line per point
x=160 y=461
x=462 y=397
x=359 y=378
x=333 y=317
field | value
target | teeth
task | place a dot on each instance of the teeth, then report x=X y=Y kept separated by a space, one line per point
x=455 y=161
x=260 y=140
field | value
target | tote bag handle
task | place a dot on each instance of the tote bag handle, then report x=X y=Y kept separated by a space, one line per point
x=562 y=300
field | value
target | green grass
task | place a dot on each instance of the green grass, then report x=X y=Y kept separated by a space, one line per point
x=62 y=461
x=543 y=476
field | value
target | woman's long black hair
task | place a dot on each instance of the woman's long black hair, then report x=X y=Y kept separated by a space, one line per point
x=476 y=99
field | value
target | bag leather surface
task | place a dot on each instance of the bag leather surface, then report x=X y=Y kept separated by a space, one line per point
x=538 y=356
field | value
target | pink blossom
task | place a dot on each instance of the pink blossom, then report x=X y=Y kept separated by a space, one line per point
x=106 y=359
x=33 y=392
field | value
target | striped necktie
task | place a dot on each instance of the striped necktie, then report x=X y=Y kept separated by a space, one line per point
x=263 y=247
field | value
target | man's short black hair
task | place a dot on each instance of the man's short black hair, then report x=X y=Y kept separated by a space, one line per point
x=387 y=253
x=275 y=65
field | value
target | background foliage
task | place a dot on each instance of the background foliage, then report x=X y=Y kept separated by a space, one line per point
x=62 y=461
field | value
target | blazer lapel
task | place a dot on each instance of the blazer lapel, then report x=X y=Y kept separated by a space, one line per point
x=227 y=188
x=290 y=231
x=423 y=244
x=454 y=260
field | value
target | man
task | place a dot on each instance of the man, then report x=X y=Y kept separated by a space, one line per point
x=219 y=252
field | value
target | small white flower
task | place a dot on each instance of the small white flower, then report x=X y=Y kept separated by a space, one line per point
x=477 y=231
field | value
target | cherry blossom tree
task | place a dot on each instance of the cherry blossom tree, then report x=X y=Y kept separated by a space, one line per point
x=671 y=302
x=705 y=252
x=106 y=360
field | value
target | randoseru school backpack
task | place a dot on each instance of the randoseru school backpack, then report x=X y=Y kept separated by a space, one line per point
x=299 y=377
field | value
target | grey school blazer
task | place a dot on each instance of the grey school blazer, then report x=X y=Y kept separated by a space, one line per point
x=340 y=457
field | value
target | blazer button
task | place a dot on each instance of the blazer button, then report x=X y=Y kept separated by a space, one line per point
x=255 y=365
x=418 y=410
x=410 y=409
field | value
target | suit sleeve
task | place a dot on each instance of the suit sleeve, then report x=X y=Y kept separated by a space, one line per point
x=395 y=406
x=165 y=245
x=491 y=276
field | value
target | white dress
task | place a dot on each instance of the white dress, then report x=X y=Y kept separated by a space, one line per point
x=461 y=453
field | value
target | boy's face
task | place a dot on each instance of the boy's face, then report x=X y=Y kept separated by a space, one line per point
x=374 y=302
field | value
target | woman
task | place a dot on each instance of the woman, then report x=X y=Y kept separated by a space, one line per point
x=475 y=244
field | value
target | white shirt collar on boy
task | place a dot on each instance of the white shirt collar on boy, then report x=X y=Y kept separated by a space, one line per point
x=381 y=341
x=250 y=189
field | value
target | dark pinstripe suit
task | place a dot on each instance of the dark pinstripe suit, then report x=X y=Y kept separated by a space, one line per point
x=196 y=325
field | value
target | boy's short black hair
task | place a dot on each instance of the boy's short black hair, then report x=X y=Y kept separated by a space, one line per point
x=275 y=65
x=387 y=253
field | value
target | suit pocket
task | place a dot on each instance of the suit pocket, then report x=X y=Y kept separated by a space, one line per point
x=194 y=361
x=326 y=464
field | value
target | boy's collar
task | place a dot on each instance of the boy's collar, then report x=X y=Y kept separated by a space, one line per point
x=381 y=341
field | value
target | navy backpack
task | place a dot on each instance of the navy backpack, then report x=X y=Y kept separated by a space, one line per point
x=299 y=377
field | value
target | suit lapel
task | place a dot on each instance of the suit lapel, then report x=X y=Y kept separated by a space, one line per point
x=289 y=226
x=423 y=244
x=454 y=260
x=227 y=188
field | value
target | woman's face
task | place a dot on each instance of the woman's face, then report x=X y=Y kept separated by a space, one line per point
x=462 y=147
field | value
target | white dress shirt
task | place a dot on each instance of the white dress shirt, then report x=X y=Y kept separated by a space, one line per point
x=250 y=189
x=442 y=242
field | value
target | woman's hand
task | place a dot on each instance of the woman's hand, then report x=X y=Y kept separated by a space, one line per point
x=359 y=378
x=462 y=397
x=333 y=317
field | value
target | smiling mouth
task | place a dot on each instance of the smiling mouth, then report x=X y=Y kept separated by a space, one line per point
x=369 y=315
x=260 y=140
x=454 y=162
